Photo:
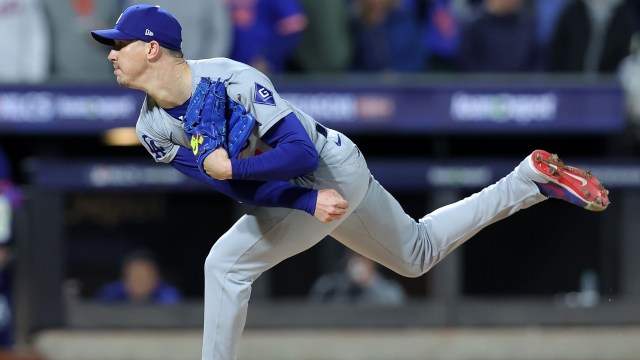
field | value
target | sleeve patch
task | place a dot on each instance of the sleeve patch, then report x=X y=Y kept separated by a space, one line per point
x=263 y=96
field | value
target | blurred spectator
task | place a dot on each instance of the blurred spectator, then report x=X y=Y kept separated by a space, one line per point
x=266 y=32
x=25 y=42
x=547 y=13
x=500 y=38
x=629 y=76
x=387 y=37
x=141 y=283
x=10 y=198
x=592 y=36
x=75 y=55
x=359 y=283
x=440 y=22
x=205 y=23
x=326 y=45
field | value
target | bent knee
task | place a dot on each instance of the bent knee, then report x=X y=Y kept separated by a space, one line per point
x=214 y=264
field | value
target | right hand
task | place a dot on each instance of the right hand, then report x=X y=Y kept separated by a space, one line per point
x=217 y=165
x=330 y=206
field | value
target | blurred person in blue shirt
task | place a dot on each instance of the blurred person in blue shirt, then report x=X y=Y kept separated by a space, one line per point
x=141 y=283
x=547 y=13
x=386 y=37
x=500 y=38
x=440 y=22
x=266 y=32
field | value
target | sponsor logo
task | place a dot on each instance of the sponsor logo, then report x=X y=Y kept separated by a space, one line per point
x=339 y=142
x=503 y=107
x=263 y=96
x=338 y=107
x=148 y=32
x=46 y=106
x=196 y=140
x=133 y=175
x=582 y=181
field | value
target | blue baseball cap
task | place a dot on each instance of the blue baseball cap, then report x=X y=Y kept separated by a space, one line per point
x=146 y=23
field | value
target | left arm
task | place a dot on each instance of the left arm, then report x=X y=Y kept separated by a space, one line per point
x=293 y=154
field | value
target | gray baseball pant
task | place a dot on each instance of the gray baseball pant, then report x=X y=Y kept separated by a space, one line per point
x=375 y=226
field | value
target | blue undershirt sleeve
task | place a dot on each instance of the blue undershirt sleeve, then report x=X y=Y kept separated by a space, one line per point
x=261 y=193
x=292 y=154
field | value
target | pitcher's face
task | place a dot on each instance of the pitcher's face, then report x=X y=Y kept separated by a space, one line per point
x=129 y=60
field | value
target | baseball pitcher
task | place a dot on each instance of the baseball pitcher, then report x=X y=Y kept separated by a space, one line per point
x=223 y=122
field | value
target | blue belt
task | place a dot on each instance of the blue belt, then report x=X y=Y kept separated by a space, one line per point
x=321 y=130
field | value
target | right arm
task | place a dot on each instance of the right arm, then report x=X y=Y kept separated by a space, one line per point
x=325 y=205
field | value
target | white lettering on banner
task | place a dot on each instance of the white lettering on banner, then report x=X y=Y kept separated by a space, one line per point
x=95 y=107
x=133 y=175
x=344 y=107
x=329 y=107
x=29 y=107
x=44 y=106
x=472 y=176
x=503 y=107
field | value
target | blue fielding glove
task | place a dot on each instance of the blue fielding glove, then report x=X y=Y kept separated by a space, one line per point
x=205 y=120
x=214 y=120
x=241 y=124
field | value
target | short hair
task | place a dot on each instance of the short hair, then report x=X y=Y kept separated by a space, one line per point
x=174 y=53
x=140 y=254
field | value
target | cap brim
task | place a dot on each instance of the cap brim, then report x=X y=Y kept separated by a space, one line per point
x=108 y=37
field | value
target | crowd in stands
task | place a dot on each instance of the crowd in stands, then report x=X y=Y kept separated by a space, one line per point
x=50 y=40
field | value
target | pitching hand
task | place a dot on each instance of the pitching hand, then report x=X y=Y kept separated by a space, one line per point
x=330 y=206
x=218 y=165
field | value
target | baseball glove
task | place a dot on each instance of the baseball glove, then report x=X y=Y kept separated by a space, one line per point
x=241 y=124
x=213 y=120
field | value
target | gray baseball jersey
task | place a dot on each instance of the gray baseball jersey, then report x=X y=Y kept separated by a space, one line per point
x=375 y=224
x=161 y=134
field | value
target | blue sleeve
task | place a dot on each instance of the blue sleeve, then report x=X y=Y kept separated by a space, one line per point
x=261 y=193
x=293 y=154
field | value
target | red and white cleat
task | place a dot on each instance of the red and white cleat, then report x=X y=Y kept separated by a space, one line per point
x=571 y=184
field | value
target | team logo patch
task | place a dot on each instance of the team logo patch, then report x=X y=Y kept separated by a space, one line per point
x=263 y=96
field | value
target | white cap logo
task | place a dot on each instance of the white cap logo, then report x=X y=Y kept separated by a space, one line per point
x=148 y=32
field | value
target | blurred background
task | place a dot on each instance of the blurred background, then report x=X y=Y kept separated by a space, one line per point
x=443 y=97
